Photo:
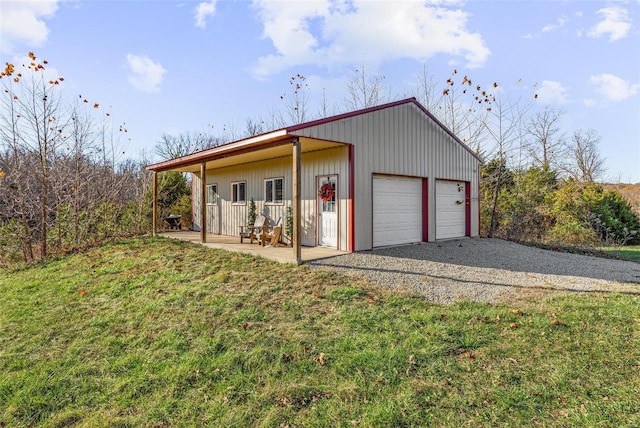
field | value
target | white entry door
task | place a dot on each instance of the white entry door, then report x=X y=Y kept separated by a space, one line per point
x=450 y=209
x=328 y=211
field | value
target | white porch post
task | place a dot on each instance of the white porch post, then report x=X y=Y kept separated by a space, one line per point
x=154 y=216
x=203 y=202
x=297 y=248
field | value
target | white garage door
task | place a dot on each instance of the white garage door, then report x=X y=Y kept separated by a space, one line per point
x=397 y=211
x=450 y=209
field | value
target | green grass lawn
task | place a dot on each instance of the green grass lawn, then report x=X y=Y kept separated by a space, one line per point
x=629 y=252
x=156 y=332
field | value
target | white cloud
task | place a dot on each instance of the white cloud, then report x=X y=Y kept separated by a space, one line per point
x=562 y=21
x=616 y=23
x=204 y=10
x=328 y=32
x=589 y=102
x=551 y=92
x=144 y=74
x=22 y=22
x=613 y=88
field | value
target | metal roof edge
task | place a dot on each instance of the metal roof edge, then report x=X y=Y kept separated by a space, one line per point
x=348 y=114
x=256 y=140
x=411 y=100
x=446 y=129
x=276 y=135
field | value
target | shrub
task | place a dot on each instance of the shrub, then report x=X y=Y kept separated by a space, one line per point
x=573 y=233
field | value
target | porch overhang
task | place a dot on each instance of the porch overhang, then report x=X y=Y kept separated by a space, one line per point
x=277 y=144
x=267 y=146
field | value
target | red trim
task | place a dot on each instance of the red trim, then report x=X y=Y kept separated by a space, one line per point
x=467 y=208
x=425 y=210
x=478 y=199
x=348 y=115
x=351 y=232
x=411 y=100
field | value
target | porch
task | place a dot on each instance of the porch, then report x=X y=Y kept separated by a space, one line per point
x=232 y=243
x=278 y=155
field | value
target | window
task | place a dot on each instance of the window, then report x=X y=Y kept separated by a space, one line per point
x=212 y=194
x=238 y=192
x=329 y=206
x=273 y=190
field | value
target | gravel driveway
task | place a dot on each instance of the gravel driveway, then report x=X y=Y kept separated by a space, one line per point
x=486 y=270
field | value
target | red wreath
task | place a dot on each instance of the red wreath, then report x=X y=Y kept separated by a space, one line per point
x=326 y=192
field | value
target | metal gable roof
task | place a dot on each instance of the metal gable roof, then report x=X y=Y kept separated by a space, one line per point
x=283 y=135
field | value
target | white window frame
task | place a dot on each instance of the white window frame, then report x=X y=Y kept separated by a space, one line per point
x=213 y=186
x=272 y=182
x=235 y=193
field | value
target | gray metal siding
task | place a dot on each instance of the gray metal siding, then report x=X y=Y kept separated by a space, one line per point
x=400 y=140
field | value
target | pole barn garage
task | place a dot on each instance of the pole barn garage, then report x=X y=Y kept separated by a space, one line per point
x=385 y=175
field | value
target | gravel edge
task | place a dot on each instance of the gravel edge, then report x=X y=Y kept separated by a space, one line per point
x=485 y=270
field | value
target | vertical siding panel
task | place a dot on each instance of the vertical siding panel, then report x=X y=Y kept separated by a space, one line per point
x=399 y=140
x=330 y=161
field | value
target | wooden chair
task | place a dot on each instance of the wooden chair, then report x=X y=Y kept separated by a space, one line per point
x=254 y=232
x=273 y=237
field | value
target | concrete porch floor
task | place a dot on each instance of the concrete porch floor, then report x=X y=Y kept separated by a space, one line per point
x=232 y=243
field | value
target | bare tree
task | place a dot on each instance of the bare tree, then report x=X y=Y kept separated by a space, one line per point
x=325 y=109
x=40 y=126
x=230 y=132
x=504 y=126
x=460 y=105
x=15 y=193
x=175 y=146
x=546 y=143
x=77 y=172
x=584 y=160
x=254 y=127
x=59 y=185
x=275 y=119
x=364 y=90
x=297 y=102
x=427 y=90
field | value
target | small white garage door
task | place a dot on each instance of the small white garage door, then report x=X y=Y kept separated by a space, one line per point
x=397 y=210
x=450 y=209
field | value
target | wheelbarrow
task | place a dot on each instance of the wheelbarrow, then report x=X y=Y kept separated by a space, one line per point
x=174 y=221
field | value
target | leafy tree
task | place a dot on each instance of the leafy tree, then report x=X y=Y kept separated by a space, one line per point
x=587 y=214
x=496 y=176
x=612 y=217
x=525 y=205
x=171 y=187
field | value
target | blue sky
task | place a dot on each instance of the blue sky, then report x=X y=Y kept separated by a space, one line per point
x=192 y=66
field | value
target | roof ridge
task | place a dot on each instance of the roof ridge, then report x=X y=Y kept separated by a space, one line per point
x=353 y=113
